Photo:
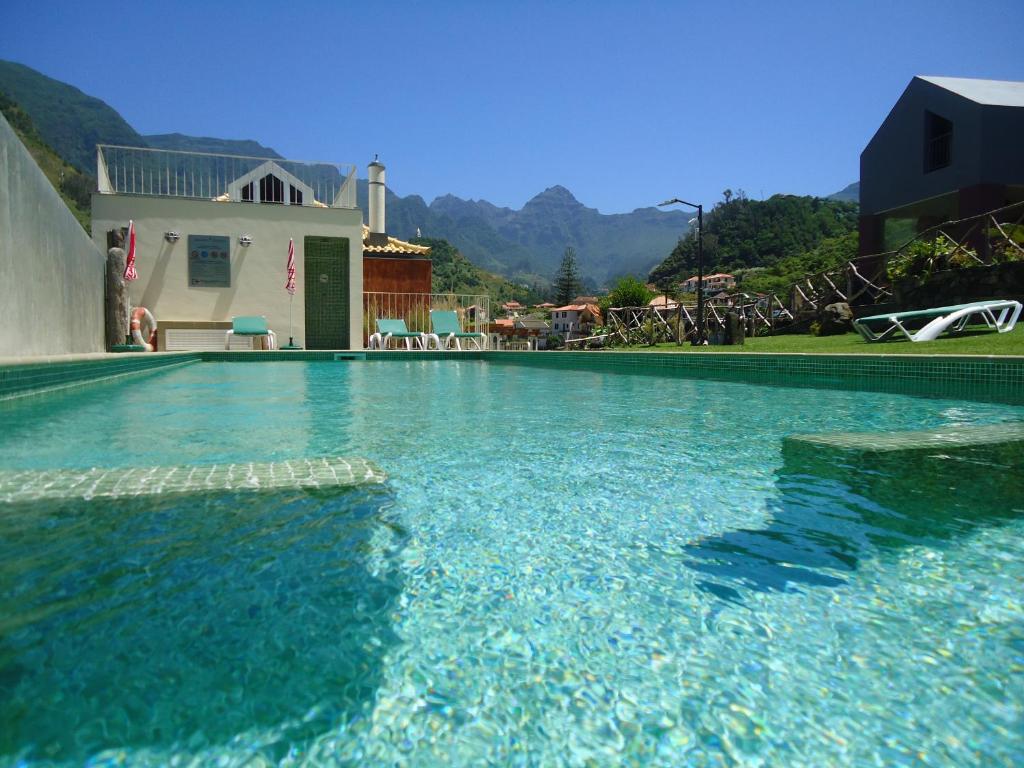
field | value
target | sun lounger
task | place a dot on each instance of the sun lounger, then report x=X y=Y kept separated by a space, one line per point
x=445 y=324
x=397 y=329
x=250 y=325
x=1001 y=315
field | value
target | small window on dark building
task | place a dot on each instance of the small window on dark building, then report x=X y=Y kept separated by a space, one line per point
x=296 y=195
x=247 y=193
x=938 y=142
x=271 y=189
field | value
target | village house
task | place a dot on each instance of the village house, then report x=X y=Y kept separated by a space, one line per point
x=712 y=283
x=574 y=321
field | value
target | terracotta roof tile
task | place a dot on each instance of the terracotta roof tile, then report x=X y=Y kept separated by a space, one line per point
x=395 y=246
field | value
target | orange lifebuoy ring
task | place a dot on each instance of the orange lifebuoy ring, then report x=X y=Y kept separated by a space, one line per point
x=140 y=314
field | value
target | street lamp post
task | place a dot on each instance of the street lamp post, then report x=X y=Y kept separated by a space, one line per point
x=699 y=338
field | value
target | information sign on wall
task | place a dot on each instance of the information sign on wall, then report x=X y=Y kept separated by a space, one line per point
x=209 y=262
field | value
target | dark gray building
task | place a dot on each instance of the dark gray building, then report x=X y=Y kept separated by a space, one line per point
x=951 y=147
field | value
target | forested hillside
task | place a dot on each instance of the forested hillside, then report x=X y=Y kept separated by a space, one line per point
x=183 y=143
x=781 y=233
x=454 y=273
x=73 y=186
x=70 y=121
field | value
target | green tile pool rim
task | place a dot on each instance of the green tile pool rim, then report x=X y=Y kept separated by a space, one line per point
x=993 y=378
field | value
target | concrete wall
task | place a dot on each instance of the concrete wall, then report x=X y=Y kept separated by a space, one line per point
x=892 y=165
x=986 y=151
x=257 y=271
x=51 y=274
x=1003 y=145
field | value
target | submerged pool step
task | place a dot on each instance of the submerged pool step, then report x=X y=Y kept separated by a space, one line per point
x=947 y=440
x=319 y=473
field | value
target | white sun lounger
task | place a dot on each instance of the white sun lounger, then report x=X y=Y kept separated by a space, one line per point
x=1001 y=315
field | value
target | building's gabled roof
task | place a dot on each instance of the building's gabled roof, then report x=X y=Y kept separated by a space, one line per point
x=395 y=247
x=593 y=309
x=269 y=167
x=709 y=277
x=532 y=323
x=662 y=301
x=1003 y=93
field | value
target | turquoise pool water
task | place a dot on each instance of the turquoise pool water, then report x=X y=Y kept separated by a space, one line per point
x=563 y=568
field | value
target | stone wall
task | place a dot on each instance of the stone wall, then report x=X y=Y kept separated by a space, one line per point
x=960 y=286
x=51 y=274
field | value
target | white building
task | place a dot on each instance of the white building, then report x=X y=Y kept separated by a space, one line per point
x=574 y=320
x=212 y=235
x=712 y=283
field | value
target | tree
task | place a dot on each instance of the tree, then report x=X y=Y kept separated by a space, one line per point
x=628 y=292
x=567 y=279
x=758 y=233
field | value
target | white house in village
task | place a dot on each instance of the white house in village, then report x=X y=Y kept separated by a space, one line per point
x=712 y=283
x=574 y=320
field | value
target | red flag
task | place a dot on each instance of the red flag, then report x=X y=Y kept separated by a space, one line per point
x=290 y=285
x=129 y=267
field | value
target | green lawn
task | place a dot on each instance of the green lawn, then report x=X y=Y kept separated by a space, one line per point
x=981 y=342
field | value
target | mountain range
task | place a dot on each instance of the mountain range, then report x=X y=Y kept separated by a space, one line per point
x=528 y=244
x=525 y=244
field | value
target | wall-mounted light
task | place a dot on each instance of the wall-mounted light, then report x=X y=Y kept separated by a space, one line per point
x=172 y=237
x=245 y=240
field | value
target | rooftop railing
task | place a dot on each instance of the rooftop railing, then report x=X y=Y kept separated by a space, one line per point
x=228 y=178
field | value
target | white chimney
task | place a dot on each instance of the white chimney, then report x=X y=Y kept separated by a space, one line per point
x=376 y=201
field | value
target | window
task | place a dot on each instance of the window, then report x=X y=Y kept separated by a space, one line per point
x=938 y=142
x=295 y=196
x=247 y=193
x=271 y=189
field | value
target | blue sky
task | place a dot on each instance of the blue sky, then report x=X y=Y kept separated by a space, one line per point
x=625 y=103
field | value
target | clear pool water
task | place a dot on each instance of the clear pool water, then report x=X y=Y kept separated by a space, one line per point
x=563 y=568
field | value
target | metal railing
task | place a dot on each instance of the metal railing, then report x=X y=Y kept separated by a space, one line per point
x=473 y=310
x=235 y=178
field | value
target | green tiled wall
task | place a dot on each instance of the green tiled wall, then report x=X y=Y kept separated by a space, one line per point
x=31 y=378
x=970 y=377
x=998 y=379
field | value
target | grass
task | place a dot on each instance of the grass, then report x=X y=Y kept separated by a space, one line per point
x=971 y=342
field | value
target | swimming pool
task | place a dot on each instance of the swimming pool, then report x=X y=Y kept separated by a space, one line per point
x=563 y=567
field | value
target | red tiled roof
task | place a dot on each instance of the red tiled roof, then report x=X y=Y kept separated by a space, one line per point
x=592 y=308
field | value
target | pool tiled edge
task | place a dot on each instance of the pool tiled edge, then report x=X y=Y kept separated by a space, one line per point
x=970 y=377
x=33 y=377
x=945 y=441
x=963 y=376
x=318 y=473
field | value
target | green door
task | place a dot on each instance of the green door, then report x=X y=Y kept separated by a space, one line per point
x=326 y=292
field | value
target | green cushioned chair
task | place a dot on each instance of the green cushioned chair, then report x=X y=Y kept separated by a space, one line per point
x=445 y=324
x=396 y=329
x=249 y=325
